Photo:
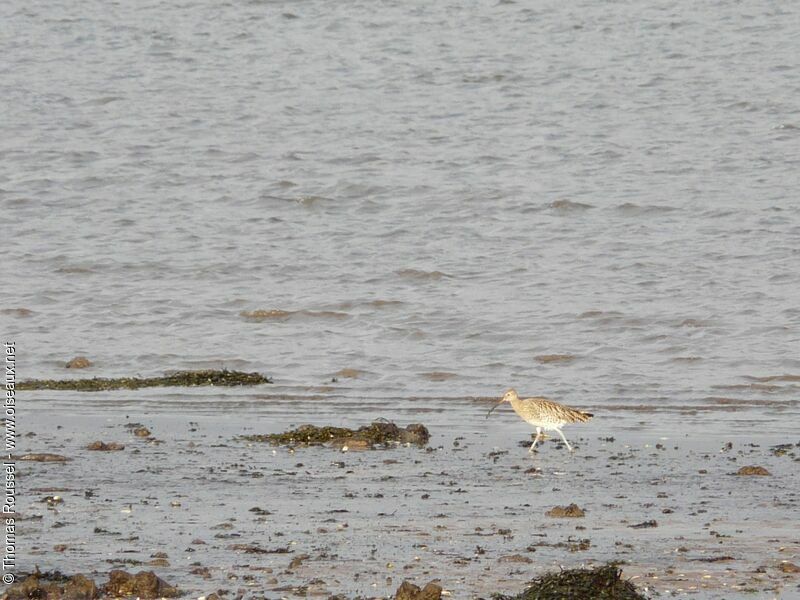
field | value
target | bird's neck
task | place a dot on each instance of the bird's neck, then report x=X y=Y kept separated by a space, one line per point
x=516 y=404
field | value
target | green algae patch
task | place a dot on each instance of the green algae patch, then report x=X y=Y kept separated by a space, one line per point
x=178 y=379
x=600 y=583
x=379 y=433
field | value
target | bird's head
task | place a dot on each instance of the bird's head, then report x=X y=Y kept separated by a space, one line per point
x=510 y=395
x=507 y=397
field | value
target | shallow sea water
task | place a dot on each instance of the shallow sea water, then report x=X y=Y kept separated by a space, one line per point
x=596 y=202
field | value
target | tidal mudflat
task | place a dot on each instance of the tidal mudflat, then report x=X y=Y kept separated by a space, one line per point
x=185 y=493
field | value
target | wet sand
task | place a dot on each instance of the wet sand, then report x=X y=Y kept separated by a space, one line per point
x=207 y=511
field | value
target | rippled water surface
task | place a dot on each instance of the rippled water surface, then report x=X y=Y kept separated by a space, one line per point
x=415 y=198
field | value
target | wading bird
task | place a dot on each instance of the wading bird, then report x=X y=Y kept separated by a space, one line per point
x=543 y=414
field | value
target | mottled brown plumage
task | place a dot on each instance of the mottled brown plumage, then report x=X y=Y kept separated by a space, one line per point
x=543 y=414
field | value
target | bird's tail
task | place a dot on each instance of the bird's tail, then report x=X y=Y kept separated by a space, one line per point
x=582 y=417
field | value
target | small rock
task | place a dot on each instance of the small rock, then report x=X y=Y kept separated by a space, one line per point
x=515 y=558
x=141 y=432
x=146 y=585
x=416 y=433
x=203 y=572
x=80 y=588
x=348 y=373
x=79 y=362
x=753 y=470
x=158 y=562
x=561 y=512
x=77 y=587
x=105 y=447
x=645 y=524
x=409 y=591
x=42 y=457
x=352 y=444
x=297 y=561
x=788 y=567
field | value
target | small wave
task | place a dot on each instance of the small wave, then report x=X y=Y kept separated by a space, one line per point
x=438 y=375
x=348 y=373
x=686 y=359
x=761 y=387
x=311 y=200
x=284 y=315
x=742 y=105
x=384 y=303
x=546 y=359
x=656 y=337
x=695 y=323
x=602 y=316
x=218 y=364
x=263 y=315
x=728 y=401
x=567 y=206
x=724 y=400
x=321 y=314
x=421 y=275
x=771 y=378
x=635 y=210
x=483 y=78
x=17 y=312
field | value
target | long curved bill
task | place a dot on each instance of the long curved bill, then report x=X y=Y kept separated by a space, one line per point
x=491 y=409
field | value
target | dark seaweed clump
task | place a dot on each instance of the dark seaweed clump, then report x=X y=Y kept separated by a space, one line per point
x=600 y=583
x=378 y=433
x=178 y=379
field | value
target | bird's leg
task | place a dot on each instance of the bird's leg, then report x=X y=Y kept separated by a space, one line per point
x=561 y=433
x=536 y=439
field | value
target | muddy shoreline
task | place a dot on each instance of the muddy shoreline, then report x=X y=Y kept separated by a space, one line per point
x=208 y=510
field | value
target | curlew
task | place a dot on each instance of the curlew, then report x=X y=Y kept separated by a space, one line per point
x=543 y=414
